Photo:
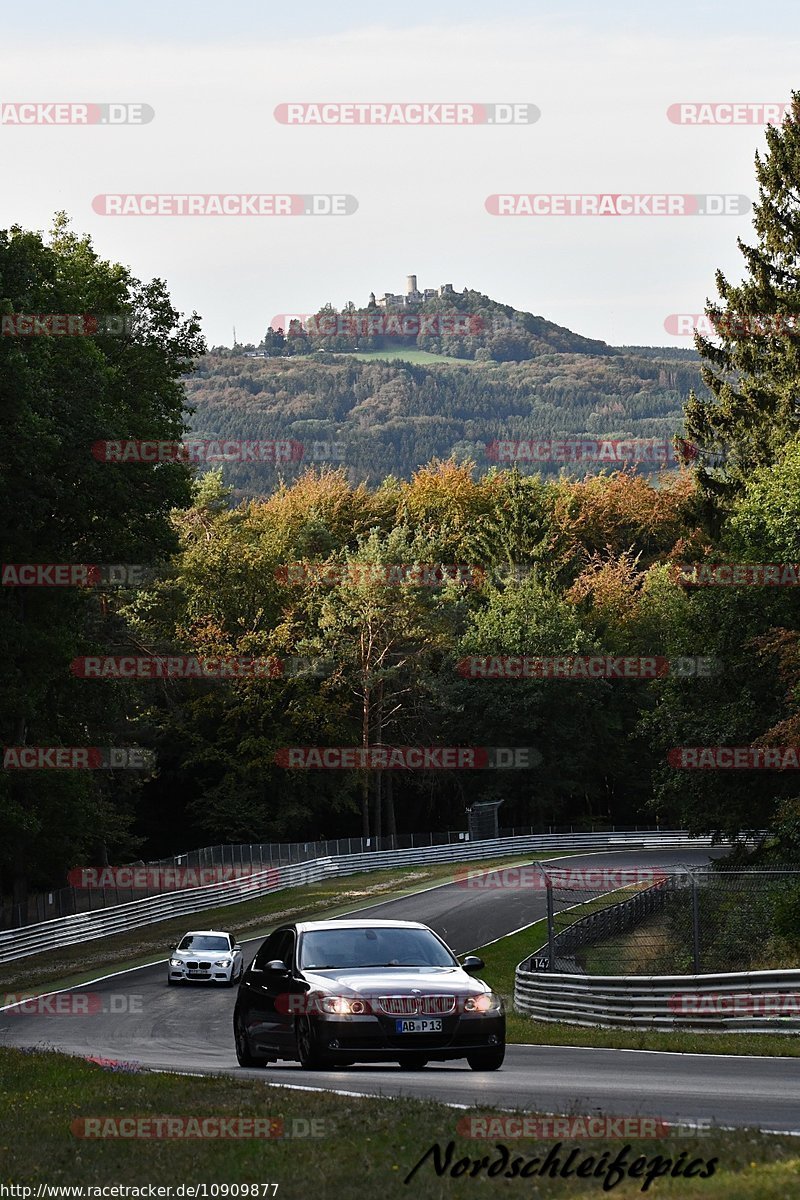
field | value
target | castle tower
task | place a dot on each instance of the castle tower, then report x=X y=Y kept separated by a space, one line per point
x=411 y=284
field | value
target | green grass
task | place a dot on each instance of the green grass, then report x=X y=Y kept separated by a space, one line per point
x=658 y=947
x=74 y=965
x=368 y=1146
x=501 y=960
x=644 y=950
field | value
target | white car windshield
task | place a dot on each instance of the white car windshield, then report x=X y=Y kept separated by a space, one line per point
x=370 y=947
x=204 y=941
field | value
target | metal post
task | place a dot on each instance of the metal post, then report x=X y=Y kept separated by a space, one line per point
x=696 y=924
x=551 y=931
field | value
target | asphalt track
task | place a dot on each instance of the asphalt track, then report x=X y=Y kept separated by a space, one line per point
x=134 y=1017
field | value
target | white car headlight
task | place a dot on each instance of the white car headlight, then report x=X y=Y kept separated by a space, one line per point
x=341 y=1006
x=487 y=1002
x=176 y=962
x=222 y=962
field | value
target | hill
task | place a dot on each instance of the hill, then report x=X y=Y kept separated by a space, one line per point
x=463 y=325
x=380 y=418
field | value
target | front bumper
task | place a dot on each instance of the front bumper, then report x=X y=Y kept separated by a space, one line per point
x=205 y=972
x=375 y=1038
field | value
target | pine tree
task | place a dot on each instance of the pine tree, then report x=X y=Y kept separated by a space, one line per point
x=752 y=367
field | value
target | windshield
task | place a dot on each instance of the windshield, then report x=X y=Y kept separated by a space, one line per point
x=204 y=941
x=369 y=947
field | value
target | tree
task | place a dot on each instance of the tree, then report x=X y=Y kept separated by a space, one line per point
x=59 y=396
x=274 y=342
x=380 y=635
x=753 y=370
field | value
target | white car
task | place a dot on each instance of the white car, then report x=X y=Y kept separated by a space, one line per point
x=208 y=955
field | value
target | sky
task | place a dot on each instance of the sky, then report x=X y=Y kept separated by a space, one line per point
x=602 y=77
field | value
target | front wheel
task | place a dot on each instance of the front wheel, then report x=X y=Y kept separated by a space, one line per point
x=308 y=1052
x=487 y=1060
x=244 y=1055
x=234 y=978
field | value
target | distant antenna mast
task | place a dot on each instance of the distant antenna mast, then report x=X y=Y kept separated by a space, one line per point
x=234 y=335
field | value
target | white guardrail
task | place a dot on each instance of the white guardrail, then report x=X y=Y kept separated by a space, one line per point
x=739 y=1002
x=105 y=922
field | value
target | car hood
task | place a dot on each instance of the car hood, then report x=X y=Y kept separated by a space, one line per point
x=382 y=981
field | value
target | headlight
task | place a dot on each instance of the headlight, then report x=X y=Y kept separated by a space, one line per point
x=176 y=962
x=485 y=1003
x=222 y=962
x=340 y=1006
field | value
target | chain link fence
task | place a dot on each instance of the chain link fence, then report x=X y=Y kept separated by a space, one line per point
x=665 y=921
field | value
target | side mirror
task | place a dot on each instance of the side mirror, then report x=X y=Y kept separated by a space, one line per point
x=277 y=965
x=472 y=964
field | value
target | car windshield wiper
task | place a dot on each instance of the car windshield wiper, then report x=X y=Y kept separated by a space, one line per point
x=395 y=963
x=366 y=966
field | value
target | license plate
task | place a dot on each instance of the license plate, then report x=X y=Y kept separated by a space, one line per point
x=419 y=1025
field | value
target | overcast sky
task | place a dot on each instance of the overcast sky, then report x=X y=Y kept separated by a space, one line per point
x=603 y=76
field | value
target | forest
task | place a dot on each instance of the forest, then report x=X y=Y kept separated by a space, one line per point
x=378 y=418
x=324 y=648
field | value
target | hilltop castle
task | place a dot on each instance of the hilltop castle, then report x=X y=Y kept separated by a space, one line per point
x=412 y=296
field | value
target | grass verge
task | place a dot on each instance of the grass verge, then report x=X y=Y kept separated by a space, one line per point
x=368 y=1146
x=644 y=950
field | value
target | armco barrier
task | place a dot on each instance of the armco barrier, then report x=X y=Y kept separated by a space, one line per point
x=250 y=857
x=742 y=1002
x=84 y=927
